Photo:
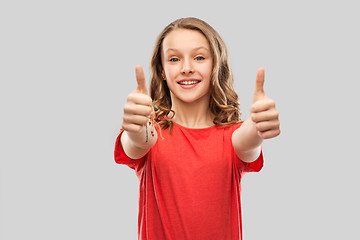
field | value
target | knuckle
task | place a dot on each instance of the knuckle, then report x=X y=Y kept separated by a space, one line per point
x=277 y=133
x=254 y=117
x=143 y=120
x=273 y=116
x=148 y=100
x=278 y=123
x=125 y=127
x=125 y=120
x=148 y=111
x=271 y=102
x=276 y=114
x=253 y=108
x=130 y=97
x=127 y=108
x=259 y=126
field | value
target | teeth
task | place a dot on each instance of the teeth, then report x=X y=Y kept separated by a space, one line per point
x=188 y=82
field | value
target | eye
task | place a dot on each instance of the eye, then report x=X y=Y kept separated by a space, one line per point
x=174 y=60
x=199 y=58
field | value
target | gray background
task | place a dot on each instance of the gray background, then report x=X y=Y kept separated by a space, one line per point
x=67 y=67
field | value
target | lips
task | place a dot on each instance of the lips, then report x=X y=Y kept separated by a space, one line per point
x=187 y=82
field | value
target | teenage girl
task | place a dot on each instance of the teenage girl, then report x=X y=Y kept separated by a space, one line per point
x=186 y=140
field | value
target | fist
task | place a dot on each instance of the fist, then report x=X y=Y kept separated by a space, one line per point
x=263 y=111
x=138 y=106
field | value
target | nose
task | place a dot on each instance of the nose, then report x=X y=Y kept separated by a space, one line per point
x=187 y=67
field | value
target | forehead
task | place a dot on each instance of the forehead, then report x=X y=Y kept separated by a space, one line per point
x=185 y=39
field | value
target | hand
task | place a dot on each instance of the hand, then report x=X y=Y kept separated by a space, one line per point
x=263 y=111
x=138 y=107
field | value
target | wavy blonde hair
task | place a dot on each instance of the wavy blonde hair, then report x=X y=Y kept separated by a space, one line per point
x=224 y=101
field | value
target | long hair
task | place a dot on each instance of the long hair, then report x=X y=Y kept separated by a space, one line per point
x=224 y=101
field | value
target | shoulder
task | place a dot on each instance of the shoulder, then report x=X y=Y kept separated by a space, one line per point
x=233 y=127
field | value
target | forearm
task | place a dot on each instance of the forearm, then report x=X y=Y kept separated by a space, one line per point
x=247 y=142
x=136 y=145
x=263 y=124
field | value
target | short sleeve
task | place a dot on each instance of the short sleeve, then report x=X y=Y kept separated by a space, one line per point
x=121 y=157
x=254 y=166
x=244 y=167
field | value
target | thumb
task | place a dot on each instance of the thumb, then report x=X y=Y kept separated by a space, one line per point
x=259 y=84
x=140 y=78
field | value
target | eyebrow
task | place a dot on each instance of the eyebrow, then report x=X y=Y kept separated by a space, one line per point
x=195 y=49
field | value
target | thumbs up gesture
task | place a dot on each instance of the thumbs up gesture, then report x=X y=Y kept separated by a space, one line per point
x=263 y=111
x=138 y=107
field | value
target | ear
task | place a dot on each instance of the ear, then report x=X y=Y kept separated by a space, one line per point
x=163 y=75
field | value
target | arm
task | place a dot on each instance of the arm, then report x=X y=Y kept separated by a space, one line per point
x=247 y=142
x=136 y=140
x=263 y=124
x=135 y=145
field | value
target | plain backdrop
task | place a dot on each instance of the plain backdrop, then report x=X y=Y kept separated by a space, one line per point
x=66 y=68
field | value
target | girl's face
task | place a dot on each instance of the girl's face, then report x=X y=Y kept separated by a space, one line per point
x=187 y=63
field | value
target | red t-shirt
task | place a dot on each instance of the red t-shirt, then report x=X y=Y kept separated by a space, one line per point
x=190 y=185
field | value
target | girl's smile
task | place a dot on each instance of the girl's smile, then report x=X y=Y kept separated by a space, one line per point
x=187 y=63
x=188 y=83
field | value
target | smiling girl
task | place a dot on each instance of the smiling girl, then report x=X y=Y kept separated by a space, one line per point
x=186 y=141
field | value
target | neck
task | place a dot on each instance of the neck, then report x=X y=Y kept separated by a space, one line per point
x=194 y=114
